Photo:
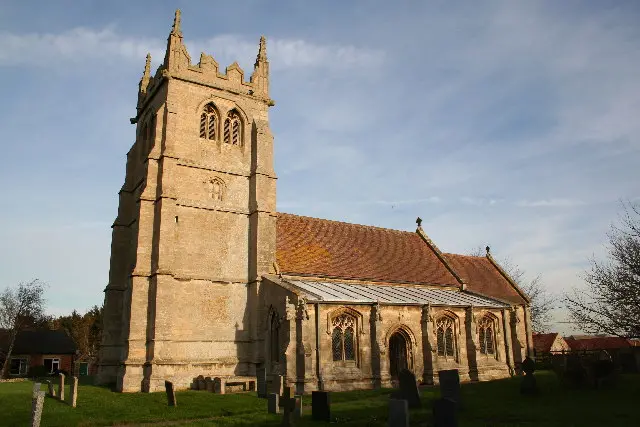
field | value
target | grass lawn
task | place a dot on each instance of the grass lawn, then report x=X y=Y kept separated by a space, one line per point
x=496 y=403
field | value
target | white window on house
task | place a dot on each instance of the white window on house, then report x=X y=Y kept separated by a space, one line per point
x=19 y=366
x=52 y=364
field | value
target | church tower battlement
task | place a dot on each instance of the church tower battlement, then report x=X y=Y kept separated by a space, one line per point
x=196 y=225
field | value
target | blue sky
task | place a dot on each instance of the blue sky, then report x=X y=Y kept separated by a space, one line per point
x=513 y=124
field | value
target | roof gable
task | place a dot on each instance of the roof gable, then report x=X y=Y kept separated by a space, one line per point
x=482 y=277
x=543 y=342
x=323 y=248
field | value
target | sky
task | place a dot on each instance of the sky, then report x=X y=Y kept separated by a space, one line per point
x=500 y=123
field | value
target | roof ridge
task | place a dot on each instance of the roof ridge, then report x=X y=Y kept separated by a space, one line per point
x=464 y=255
x=346 y=223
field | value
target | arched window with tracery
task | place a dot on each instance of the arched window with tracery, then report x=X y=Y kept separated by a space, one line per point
x=486 y=330
x=343 y=338
x=233 y=129
x=209 y=122
x=274 y=341
x=445 y=337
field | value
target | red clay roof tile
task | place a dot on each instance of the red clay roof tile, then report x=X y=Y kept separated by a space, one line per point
x=543 y=342
x=482 y=277
x=323 y=248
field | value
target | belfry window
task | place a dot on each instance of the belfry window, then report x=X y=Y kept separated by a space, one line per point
x=209 y=122
x=486 y=336
x=232 y=132
x=445 y=337
x=343 y=343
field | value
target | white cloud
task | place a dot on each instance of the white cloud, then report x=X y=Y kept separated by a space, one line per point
x=104 y=45
x=552 y=203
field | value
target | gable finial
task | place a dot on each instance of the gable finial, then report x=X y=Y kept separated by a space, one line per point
x=419 y=222
x=175 y=30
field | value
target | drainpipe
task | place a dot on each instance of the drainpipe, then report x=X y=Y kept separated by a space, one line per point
x=318 y=372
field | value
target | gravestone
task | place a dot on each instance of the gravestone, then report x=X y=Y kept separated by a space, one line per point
x=321 y=406
x=52 y=390
x=444 y=413
x=61 y=387
x=272 y=403
x=171 y=393
x=450 y=385
x=398 y=413
x=261 y=377
x=202 y=385
x=297 y=407
x=73 y=392
x=37 y=402
x=287 y=417
x=36 y=389
x=277 y=383
x=409 y=388
x=286 y=395
x=528 y=385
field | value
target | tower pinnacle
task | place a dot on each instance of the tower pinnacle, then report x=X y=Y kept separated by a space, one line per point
x=175 y=30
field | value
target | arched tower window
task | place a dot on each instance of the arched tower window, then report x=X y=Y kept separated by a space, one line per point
x=232 y=129
x=209 y=122
x=445 y=337
x=343 y=338
x=486 y=330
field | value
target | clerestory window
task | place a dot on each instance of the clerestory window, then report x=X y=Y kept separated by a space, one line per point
x=343 y=342
x=209 y=122
x=445 y=337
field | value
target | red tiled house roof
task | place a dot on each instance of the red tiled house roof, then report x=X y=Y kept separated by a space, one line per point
x=482 y=277
x=323 y=248
x=331 y=249
x=597 y=343
x=542 y=342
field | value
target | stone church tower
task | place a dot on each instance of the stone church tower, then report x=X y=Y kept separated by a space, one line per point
x=196 y=224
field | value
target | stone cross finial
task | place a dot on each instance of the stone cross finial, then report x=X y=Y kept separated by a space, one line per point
x=175 y=30
x=488 y=249
x=419 y=222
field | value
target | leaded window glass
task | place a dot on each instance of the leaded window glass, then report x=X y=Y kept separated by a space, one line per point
x=486 y=336
x=445 y=337
x=233 y=129
x=343 y=338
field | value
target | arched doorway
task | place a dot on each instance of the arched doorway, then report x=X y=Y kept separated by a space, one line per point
x=399 y=353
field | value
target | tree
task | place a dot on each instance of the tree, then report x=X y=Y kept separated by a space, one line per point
x=542 y=303
x=610 y=303
x=19 y=307
x=85 y=330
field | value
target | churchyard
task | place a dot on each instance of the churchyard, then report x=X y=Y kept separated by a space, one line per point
x=495 y=403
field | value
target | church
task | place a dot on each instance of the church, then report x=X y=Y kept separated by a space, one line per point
x=207 y=278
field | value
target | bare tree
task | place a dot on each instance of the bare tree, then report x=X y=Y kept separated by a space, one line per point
x=542 y=303
x=18 y=307
x=610 y=303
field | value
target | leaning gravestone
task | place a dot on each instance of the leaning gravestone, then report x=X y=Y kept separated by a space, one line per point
x=450 y=385
x=61 y=387
x=37 y=403
x=261 y=377
x=444 y=413
x=321 y=406
x=398 y=413
x=529 y=385
x=73 y=392
x=52 y=390
x=36 y=389
x=171 y=393
x=272 y=403
x=409 y=388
